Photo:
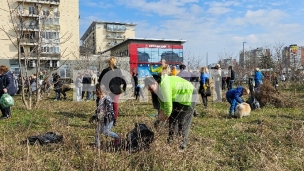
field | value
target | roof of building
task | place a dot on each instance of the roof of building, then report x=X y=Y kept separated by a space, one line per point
x=145 y=39
x=85 y=35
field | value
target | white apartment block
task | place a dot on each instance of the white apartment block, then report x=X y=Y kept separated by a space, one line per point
x=54 y=23
x=104 y=35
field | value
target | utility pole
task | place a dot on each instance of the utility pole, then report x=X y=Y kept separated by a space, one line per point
x=244 y=54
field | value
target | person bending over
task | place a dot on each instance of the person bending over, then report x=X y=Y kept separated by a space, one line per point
x=177 y=98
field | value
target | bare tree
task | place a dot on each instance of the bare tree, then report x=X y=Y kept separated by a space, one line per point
x=29 y=38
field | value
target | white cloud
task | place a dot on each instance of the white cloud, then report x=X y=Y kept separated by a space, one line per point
x=215 y=26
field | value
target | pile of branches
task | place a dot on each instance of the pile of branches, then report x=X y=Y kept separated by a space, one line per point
x=269 y=95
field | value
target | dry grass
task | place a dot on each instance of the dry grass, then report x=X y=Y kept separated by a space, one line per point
x=270 y=139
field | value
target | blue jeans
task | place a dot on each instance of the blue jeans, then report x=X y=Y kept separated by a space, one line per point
x=57 y=95
x=105 y=130
x=89 y=94
x=233 y=105
x=231 y=82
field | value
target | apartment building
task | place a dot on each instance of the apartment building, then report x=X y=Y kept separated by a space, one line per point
x=104 y=35
x=254 y=57
x=52 y=25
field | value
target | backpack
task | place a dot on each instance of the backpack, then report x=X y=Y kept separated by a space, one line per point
x=43 y=139
x=139 y=138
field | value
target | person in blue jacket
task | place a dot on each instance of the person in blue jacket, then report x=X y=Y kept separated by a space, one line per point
x=204 y=82
x=233 y=96
x=6 y=86
x=258 y=77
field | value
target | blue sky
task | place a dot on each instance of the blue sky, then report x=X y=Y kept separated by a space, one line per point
x=218 y=28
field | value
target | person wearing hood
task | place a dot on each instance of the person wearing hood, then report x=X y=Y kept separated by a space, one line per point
x=233 y=96
x=6 y=86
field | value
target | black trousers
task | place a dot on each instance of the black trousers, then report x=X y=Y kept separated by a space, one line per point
x=180 y=117
x=6 y=112
x=205 y=100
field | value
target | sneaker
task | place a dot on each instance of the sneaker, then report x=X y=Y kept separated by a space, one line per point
x=116 y=142
x=5 y=117
x=55 y=99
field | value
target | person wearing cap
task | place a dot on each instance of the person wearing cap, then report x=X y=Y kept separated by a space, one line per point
x=177 y=98
x=183 y=73
x=233 y=96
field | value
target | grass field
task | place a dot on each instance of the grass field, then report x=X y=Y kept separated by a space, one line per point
x=270 y=139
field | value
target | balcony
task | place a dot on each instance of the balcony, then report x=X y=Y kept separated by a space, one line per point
x=28 y=27
x=43 y=56
x=116 y=30
x=50 y=2
x=28 y=41
x=26 y=13
x=116 y=37
x=51 y=41
x=110 y=44
x=52 y=27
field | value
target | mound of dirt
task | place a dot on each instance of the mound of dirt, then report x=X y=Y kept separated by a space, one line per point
x=268 y=95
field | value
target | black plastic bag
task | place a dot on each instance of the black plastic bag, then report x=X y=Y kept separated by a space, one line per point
x=139 y=138
x=253 y=102
x=43 y=139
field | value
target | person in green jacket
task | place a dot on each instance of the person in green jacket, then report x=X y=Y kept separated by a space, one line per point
x=177 y=98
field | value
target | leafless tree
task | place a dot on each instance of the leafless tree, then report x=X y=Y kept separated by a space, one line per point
x=24 y=31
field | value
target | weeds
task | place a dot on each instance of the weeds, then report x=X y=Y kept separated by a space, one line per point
x=270 y=139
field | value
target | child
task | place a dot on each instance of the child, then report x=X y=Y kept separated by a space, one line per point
x=233 y=96
x=105 y=116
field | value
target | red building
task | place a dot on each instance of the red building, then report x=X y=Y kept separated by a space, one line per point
x=145 y=52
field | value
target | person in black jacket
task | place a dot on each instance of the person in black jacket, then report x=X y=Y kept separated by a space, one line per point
x=112 y=79
x=57 y=86
x=135 y=79
x=230 y=78
x=86 y=81
x=6 y=86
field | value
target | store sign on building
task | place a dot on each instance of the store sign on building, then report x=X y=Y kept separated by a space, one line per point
x=158 y=46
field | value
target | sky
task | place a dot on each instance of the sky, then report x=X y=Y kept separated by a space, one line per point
x=216 y=29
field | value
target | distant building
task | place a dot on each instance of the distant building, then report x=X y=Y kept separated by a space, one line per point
x=104 y=35
x=137 y=54
x=293 y=57
x=225 y=63
x=45 y=20
x=253 y=58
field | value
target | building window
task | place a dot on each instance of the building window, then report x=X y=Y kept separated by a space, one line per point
x=53 y=49
x=31 y=10
x=50 y=35
x=32 y=50
x=64 y=71
x=15 y=69
x=21 y=50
